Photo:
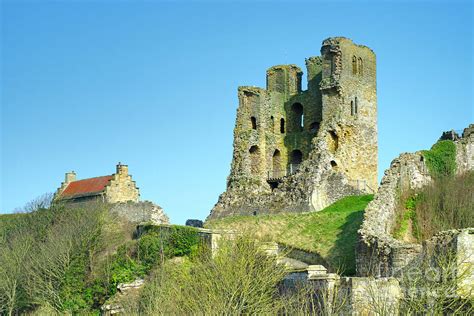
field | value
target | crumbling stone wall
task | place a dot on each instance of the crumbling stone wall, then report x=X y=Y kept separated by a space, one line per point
x=378 y=253
x=297 y=151
x=145 y=212
x=465 y=150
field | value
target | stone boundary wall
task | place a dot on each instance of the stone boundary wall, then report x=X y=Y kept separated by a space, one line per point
x=308 y=257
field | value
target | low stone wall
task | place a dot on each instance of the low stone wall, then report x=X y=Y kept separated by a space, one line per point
x=353 y=295
x=453 y=249
x=212 y=237
x=369 y=296
x=307 y=257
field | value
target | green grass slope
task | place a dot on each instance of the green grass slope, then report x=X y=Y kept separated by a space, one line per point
x=331 y=233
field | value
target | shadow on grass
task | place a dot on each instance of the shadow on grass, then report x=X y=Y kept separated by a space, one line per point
x=342 y=255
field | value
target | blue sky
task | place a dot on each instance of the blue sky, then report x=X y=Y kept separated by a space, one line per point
x=86 y=84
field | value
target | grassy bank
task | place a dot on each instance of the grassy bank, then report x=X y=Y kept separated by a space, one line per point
x=331 y=233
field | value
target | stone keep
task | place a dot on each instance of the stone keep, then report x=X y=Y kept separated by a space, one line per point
x=300 y=150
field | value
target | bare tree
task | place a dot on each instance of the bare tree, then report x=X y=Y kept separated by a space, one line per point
x=13 y=255
x=41 y=202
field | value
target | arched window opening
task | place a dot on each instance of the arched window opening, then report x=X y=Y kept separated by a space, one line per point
x=314 y=127
x=352 y=108
x=356 y=106
x=354 y=65
x=272 y=123
x=276 y=164
x=296 y=157
x=254 y=159
x=334 y=165
x=254 y=122
x=297 y=115
x=359 y=66
x=282 y=126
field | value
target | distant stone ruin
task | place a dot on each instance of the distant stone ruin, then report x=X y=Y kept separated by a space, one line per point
x=300 y=150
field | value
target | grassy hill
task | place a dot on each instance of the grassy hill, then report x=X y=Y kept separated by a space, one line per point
x=331 y=233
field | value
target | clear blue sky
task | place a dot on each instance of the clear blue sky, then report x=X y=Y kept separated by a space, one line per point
x=86 y=84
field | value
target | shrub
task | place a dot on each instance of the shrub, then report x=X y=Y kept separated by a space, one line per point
x=446 y=203
x=125 y=266
x=167 y=241
x=239 y=279
x=441 y=158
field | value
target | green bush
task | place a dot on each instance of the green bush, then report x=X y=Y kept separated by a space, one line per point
x=441 y=158
x=170 y=241
x=184 y=241
x=125 y=266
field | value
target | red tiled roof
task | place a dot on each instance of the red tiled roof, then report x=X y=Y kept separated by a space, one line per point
x=89 y=186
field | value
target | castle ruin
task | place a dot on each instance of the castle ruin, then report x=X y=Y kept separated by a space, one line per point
x=300 y=150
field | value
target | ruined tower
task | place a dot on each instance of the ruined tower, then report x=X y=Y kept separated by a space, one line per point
x=299 y=150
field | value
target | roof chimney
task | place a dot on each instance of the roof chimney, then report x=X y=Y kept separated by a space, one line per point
x=70 y=177
x=122 y=169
